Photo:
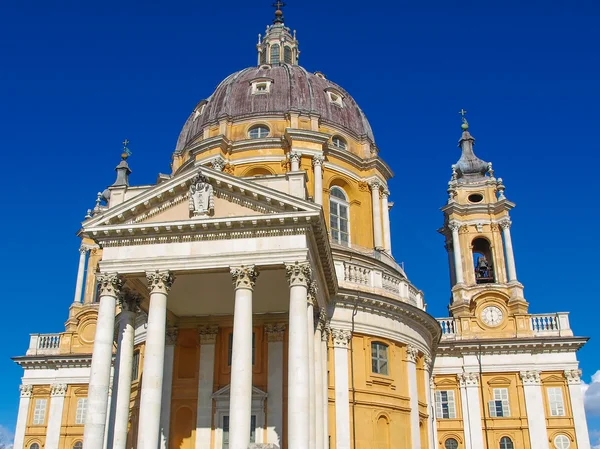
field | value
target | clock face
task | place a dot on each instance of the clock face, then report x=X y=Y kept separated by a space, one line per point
x=492 y=316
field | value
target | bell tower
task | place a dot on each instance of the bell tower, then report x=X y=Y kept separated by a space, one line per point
x=477 y=230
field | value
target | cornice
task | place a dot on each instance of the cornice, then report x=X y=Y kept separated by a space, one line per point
x=467 y=209
x=305 y=135
x=209 y=143
x=54 y=361
x=506 y=346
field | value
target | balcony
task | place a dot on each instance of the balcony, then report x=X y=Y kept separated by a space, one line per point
x=539 y=325
x=43 y=344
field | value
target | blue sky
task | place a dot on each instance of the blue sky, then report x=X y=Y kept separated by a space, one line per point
x=76 y=78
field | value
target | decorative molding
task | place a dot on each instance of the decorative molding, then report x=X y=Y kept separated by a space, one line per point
x=312 y=294
x=573 y=376
x=468 y=379
x=219 y=164
x=432 y=383
x=160 y=281
x=298 y=273
x=363 y=186
x=208 y=335
x=275 y=332
x=341 y=338
x=110 y=284
x=26 y=390
x=428 y=363
x=244 y=277
x=171 y=336
x=202 y=199
x=530 y=377
x=58 y=390
x=412 y=353
x=325 y=333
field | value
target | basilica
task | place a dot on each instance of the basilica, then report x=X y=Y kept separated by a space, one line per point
x=251 y=299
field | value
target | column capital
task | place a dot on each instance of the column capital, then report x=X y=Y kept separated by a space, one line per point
x=454 y=226
x=321 y=319
x=573 y=376
x=312 y=294
x=208 y=335
x=412 y=352
x=325 y=332
x=341 y=338
x=244 y=277
x=171 y=336
x=219 y=164
x=432 y=383
x=530 y=377
x=58 y=390
x=26 y=390
x=375 y=184
x=298 y=273
x=275 y=331
x=318 y=159
x=130 y=300
x=428 y=362
x=83 y=249
x=295 y=156
x=505 y=224
x=160 y=281
x=110 y=284
x=468 y=379
x=385 y=193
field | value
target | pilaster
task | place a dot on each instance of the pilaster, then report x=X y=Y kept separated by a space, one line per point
x=275 y=333
x=469 y=392
x=412 y=354
x=57 y=403
x=341 y=340
x=208 y=338
x=534 y=404
x=582 y=436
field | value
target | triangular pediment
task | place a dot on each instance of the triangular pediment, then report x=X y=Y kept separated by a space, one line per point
x=177 y=201
x=223 y=393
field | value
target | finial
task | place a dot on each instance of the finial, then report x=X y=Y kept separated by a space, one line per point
x=126 y=152
x=278 y=12
x=88 y=215
x=465 y=124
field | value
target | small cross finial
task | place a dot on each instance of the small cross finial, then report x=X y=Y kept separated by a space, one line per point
x=278 y=13
x=465 y=124
x=126 y=151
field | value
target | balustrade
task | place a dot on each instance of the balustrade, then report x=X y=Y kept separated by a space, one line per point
x=448 y=326
x=44 y=344
x=357 y=274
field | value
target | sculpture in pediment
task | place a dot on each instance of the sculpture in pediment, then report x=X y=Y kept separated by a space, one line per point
x=201 y=197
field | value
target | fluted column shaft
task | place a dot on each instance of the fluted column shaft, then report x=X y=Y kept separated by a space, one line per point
x=510 y=256
x=318 y=172
x=159 y=284
x=80 y=273
x=97 y=405
x=299 y=276
x=454 y=227
x=387 y=236
x=240 y=393
x=118 y=425
x=377 y=235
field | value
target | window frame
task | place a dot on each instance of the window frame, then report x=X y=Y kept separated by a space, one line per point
x=499 y=403
x=506 y=440
x=377 y=361
x=450 y=404
x=561 y=435
x=339 y=203
x=260 y=128
x=287 y=51
x=80 y=410
x=340 y=139
x=34 y=445
x=272 y=54
x=35 y=419
x=451 y=439
x=556 y=404
x=135 y=365
x=77 y=445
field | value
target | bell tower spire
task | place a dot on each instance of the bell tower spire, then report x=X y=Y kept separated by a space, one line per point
x=279 y=44
x=477 y=231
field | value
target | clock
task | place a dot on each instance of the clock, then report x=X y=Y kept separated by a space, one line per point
x=492 y=315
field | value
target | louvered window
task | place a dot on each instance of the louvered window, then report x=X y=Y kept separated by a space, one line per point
x=499 y=407
x=444 y=404
x=80 y=412
x=555 y=398
x=39 y=411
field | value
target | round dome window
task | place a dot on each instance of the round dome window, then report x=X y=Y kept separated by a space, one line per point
x=475 y=197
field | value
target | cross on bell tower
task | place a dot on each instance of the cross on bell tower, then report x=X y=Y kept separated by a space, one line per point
x=279 y=45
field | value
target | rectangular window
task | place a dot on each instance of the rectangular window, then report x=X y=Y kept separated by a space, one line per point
x=226 y=430
x=80 y=413
x=555 y=398
x=445 y=405
x=230 y=348
x=338 y=222
x=39 y=411
x=499 y=407
x=135 y=369
x=379 y=358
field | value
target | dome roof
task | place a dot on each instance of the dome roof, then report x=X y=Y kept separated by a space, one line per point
x=292 y=89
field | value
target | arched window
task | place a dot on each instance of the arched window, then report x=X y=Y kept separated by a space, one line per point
x=258 y=132
x=34 y=446
x=287 y=55
x=78 y=445
x=482 y=257
x=338 y=216
x=338 y=142
x=379 y=358
x=275 y=51
x=506 y=443
x=451 y=443
x=562 y=442
x=263 y=56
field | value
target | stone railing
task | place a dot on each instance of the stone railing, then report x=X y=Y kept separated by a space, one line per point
x=357 y=274
x=44 y=344
x=448 y=326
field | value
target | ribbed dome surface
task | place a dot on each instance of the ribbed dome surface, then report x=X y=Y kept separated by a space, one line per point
x=292 y=89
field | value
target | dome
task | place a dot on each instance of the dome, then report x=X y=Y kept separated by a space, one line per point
x=291 y=88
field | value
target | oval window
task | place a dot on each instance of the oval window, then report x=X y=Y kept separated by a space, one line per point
x=258 y=132
x=476 y=198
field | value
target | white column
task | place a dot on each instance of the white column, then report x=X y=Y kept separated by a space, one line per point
x=411 y=357
x=57 y=404
x=341 y=339
x=80 y=273
x=318 y=171
x=454 y=227
x=275 y=333
x=433 y=423
x=318 y=392
x=159 y=284
x=118 y=425
x=22 y=416
x=469 y=392
x=299 y=276
x=377 y=237
x=510 y=256
x=387 y=236
x=165 y=412
x=427 y=379
x=312 y=404
x=97 y=405
x=581 y=429
x=240 y=392
x=534 y=405
x=295 y=157
x=324 y=351
x=208 y=339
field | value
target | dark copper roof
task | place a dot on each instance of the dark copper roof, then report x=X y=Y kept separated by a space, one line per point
x=292 y=89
